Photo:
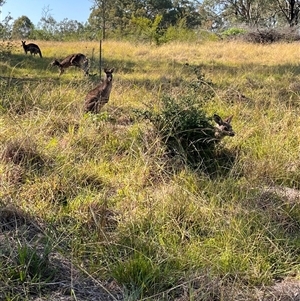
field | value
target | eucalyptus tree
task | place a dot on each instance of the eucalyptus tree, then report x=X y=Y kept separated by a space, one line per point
x=6 y=28
x=70 y=28
x=47 y=24
x=101 y=15
x=248 y=12
x=5 y=33
x=22 y=27
x=254 y=12
x=118 y=15
x=289 y=10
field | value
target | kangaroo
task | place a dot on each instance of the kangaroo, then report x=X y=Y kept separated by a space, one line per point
x=78 y=60
x=223 y=127
x=32 y=48
x=99 y=96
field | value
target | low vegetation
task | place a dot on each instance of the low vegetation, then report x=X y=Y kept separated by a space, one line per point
x=120 y=206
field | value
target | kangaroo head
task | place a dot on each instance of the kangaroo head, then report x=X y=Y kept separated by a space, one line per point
x=108 y=73
x=23 y=43
x=223 y=127
x=55 y=63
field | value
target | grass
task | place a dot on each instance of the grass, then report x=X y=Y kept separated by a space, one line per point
x=104 y=200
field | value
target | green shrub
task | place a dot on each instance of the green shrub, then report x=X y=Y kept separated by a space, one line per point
x=185 y=129
x=231 y=32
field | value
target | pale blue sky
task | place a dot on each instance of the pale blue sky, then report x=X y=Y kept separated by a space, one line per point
x=59 y=9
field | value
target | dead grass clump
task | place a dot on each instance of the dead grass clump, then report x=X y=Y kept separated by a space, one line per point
x=233 y=95
x=12 y=175
x=103 y=219
x=23 y=152
x=48 y=192
x=60 y=124
x=279 y=205
x=12 y=218
x=267 y=36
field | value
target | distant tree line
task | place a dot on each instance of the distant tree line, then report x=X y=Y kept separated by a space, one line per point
x=156 y=21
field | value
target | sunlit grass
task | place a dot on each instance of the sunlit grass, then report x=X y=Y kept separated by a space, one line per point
x=109 y=189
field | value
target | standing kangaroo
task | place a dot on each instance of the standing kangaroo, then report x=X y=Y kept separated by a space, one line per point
x=32 y=48
x=223 y=127
x=78 y=60
x=99 y=96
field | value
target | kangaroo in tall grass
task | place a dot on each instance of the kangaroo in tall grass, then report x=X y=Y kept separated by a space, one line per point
x=99 y=96
x=223 y=127
x=78 y=60
x=32 y=48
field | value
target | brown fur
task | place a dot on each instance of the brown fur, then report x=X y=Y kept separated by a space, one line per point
x=223 y=127
x=78 y=60
x=99 y=96
x=32 y=48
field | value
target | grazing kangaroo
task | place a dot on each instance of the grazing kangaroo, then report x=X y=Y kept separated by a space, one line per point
x=99 y=96
x=78 y=60
x=32 y=48
x=223 y=127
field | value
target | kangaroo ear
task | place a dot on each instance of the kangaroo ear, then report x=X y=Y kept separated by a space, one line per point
x=218 y=119
x=112 y=70
x=228 y=119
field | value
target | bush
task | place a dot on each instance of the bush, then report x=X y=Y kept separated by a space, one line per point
x=270 y=36
x=233 y=32
x=185 y=129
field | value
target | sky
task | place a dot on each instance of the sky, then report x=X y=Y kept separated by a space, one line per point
x=59 y=9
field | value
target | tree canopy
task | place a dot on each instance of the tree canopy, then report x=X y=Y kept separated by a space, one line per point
x=22 y=28
x=157 y=20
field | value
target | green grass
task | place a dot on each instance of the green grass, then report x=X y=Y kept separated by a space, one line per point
x=110 y=196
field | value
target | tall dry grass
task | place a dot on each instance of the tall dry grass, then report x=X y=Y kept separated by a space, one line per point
x=104 y=193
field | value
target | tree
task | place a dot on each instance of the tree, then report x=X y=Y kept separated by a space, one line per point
x=290 y=10
x=248 y=12
x=47 y=24
x=22 y=28
x=6 y=28
x=69 y=28
x=188 y=11
x=121 y=15
x=148 y=28
x=100 y=14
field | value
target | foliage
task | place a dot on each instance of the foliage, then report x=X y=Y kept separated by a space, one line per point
x=6 y=28
x=158 y=21
x=148 y=29
x=117 y=16
x=185 y=128
x=179 y=32
x=253 y=13
x=22 y=28
x=232 y=32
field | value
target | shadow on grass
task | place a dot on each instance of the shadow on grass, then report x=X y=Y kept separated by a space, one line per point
x=29 y=255
x=214 y=161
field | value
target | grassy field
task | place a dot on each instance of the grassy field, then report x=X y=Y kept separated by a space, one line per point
x=100 y=206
